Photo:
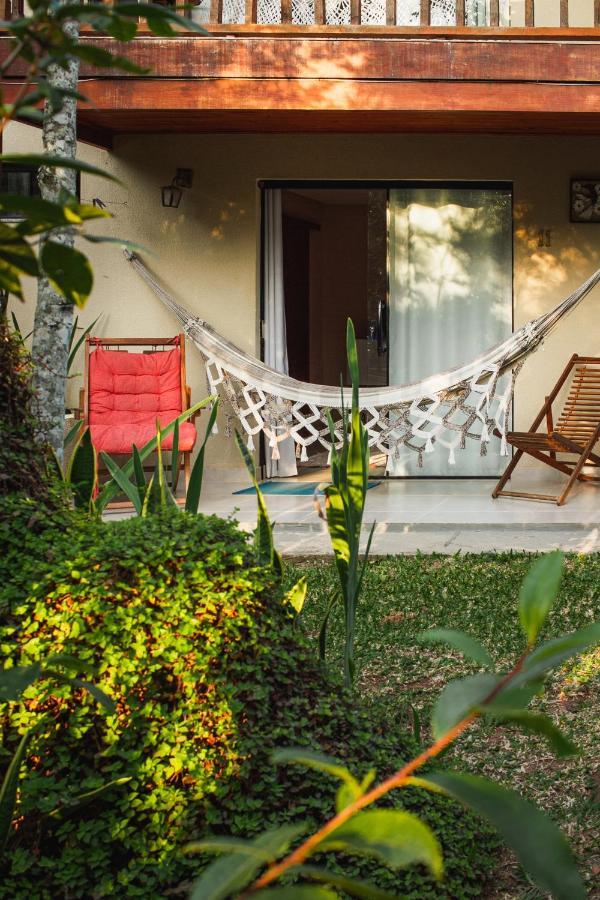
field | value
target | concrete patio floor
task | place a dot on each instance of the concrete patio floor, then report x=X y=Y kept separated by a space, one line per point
x=429 y=515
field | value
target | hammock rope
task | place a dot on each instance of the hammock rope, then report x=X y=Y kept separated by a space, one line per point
x=465 y=403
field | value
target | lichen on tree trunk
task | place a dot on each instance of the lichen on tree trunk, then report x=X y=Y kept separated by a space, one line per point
x=54 y=314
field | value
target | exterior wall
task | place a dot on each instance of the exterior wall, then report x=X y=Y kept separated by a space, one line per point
x=206 y=252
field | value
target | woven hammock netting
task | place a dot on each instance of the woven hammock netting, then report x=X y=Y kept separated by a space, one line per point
x=469 y=403
x=372 y=12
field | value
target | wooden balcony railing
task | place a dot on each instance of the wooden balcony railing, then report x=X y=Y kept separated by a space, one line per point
x=415 y=13
x=398 y=13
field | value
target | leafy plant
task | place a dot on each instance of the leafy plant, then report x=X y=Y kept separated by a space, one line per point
x=13 y=682
x=210 y=675
x=344 y=509
x=42 y=42
x=401 y=839
x=156 y=494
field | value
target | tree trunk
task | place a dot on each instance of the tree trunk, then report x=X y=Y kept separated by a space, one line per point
x=53 y=314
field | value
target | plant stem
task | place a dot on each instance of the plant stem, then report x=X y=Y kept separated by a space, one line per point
x=299 y=855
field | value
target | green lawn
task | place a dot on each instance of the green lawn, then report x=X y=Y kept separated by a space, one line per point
x=405 y=595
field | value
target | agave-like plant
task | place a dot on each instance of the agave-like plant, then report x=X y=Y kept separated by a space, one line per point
x=344 y=508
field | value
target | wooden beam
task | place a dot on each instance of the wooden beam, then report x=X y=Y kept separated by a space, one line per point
x=355 y=12
x=596 y=13
x=425 y=17
x=319 y=12
x=333 y=57
x=564 y=13
x=494 y=13
x=390 y=12
x=277 y=121
x=250 y=11
x=529 y=14
x=460 y=13
x=123 y=96
x=286 y=11
x=216 y=12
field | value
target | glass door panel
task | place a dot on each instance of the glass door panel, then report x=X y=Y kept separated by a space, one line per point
x=450 y=296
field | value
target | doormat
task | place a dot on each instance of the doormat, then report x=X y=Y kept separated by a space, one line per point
x=294 y=488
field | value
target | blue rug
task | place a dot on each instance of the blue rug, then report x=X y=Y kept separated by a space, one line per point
x=293 y=488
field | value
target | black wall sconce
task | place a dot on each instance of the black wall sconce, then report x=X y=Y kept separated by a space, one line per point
x=171 y=194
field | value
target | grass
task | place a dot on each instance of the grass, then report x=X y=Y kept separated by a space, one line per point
x=478 y=593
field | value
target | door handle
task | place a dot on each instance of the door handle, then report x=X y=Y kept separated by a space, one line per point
x=382 y=343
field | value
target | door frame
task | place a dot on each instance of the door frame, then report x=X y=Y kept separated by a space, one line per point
x=387 y=184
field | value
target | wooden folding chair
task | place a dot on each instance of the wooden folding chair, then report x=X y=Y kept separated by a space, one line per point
x=124 y=394
x=575 y=435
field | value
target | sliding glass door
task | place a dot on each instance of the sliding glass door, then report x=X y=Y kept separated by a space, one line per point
x=450 y=295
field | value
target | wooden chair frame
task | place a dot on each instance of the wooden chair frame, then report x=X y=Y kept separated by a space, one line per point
x=152 y=343
x=581 y=409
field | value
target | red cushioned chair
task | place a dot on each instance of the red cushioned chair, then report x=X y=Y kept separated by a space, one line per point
x=125 y=393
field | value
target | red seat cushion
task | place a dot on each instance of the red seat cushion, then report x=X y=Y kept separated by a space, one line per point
x=128 y=393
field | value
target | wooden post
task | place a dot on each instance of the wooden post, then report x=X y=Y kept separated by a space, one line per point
x=564 y=13
x=216 y=12
x=425 y=13
x=355 y=12
x=319 y=12
x=460 y=13
x=494 y=13
x=529 y=14
x=390 y=12
x=251 y=12
x=286 y=12
x=596 y=13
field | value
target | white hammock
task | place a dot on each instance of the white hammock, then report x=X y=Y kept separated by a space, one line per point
x=443 y=409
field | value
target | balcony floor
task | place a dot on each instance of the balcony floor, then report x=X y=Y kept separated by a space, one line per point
x=428 y=515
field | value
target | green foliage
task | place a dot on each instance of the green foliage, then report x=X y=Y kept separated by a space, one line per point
x=538 y=592
x=40 y=40
x=210 y=675
x=344 y=508
x=399 y=838
x=23 y=466
x=264 y=545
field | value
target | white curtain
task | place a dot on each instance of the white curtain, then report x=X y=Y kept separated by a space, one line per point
x=450 y=299
x=274 y=321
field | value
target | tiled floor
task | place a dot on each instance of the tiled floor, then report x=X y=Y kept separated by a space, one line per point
x=430 y=515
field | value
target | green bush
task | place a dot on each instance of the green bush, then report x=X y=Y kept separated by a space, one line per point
x=210 y=674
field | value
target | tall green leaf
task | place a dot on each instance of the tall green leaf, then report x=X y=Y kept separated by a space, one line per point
x=537 y=842
x=192 y=498
x=538 y=592
x=8 y=790
x=111 y=489
x=397 y=838
x=175 y=458
x=82 y=472
x=130 y=490
x=230 y=874
x=266 y=554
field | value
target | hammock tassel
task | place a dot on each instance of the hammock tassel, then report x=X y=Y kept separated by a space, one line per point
x=429 y=445
x=420 y=463
x=329 y=457
x=485 y=434
x=504 y=446
x=451 y=457
x=275 y=453
x=303 y=454
x=250 y=444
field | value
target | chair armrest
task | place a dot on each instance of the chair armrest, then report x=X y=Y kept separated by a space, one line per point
x=81 y=407
x=549 y=417
x=188 y=401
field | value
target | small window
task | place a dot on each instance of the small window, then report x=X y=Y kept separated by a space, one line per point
x=21 y=180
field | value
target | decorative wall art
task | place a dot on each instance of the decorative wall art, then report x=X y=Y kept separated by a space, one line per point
x=585 y=200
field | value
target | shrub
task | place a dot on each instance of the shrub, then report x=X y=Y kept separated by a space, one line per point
x=22 y=465
x=210 y=674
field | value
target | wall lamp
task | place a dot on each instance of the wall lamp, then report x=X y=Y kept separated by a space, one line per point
x=171 y=194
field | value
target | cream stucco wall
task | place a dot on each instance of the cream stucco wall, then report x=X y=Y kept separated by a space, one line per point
x=207 y=251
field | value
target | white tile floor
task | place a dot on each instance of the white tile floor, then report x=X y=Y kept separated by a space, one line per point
x=430 y=515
